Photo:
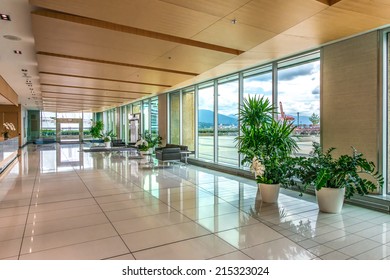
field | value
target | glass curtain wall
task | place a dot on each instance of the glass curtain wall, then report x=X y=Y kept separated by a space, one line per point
x=228 y=97
x=258 y=83
x=299 y=99
x=205 y=135
x=154 y=116
x=87 y=123
x=48 y=125
x=188 y=105
x=174 y=118
x=145 y=116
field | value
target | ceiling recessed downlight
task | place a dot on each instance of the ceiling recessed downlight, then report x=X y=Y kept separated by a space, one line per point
x=12 y=37
x=5 y=17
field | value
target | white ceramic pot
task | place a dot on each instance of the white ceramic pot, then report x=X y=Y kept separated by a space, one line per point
x=330 y=200
x=107 y=144
x=269 y=192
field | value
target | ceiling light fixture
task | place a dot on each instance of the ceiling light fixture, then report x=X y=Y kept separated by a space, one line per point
x=12 y=37
x=5 y=17
x=233 y=21
x=17 y=52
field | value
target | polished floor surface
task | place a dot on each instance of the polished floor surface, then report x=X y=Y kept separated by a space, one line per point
x=58 y=202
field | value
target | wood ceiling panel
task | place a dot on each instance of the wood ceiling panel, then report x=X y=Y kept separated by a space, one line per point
x=238 y=36
x=374 y=8
x=335 y=23
x=84 y=68
x=147 y=14
x=82 y=82
x=64 y=37
x=219 y=8
x=86 y=97
x=199 y=60
x=277 y=15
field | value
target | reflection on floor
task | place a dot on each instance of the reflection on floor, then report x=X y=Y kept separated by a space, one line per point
x=62 y=203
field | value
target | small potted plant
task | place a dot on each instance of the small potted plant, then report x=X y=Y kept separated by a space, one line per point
x=266 y=145
x=107 y=136
x=142 y=145
x=152 y=139
x=336 y=179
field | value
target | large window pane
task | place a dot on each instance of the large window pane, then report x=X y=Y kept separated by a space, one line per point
x=145 y=116
x=87 y=123
x=48 y=126
x=228 y=121
x=259 y=84
x=188 y=100
x=154 y=116
x=174 y=117
x=299 y=101
x=206 y=123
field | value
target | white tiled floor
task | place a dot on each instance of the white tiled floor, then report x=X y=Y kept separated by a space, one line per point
x=58 y=202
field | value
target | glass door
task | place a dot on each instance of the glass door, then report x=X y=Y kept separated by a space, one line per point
x=70 y=132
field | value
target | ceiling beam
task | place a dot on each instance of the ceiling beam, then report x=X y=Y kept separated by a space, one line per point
x=87 y=95
x=47 y=98
x=92 y=88
x=329 y=2
x=103 y=79
x=117 y=63
x=7 y=92
x=134 y=31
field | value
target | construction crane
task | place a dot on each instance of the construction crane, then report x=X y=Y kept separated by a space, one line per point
x=283 y=116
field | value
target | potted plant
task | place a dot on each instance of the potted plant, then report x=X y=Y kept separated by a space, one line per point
x=107 y=136
x=142 y=145
x=336 y=179
x=96 y=130
x=152 y=139
x=266 y=145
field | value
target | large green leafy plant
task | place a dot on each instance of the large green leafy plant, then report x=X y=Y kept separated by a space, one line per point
x=265 y=143
x=96 y=129
x=352 y=172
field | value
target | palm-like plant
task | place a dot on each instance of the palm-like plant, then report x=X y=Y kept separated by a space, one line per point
x=266 y=139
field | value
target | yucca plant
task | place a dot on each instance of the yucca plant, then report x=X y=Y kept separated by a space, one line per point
x=264 y=141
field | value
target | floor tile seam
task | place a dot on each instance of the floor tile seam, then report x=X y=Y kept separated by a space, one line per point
x=68 y=229
x=173 y=242
x=152 y=228
x=29 y=207
x=238 y=250
x=120 y=220
x=116 y=256
x=71 y=244
x=338 y=250
x=319 y=255
x=112 y=225
x=61 y=201
x=97 y=211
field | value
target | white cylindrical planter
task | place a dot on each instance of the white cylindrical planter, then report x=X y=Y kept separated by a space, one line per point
x=107 y=144
x=330 y=200
x=269 y=192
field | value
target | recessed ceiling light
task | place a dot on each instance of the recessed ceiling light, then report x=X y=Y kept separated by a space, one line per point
x=5 y=17
x=12 y=37
x=17 y=52
x=233 y=21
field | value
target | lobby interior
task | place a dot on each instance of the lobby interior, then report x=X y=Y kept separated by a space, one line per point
x=118 y=59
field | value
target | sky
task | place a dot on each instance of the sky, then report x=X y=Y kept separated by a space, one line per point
x=298 y=90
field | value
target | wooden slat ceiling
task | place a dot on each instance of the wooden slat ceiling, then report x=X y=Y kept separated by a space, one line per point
x=94 y=55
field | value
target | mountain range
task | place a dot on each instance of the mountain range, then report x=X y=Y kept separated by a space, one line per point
x=206 y=117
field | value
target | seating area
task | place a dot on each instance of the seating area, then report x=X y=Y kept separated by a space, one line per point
x=118 y=143
x=171 y=152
